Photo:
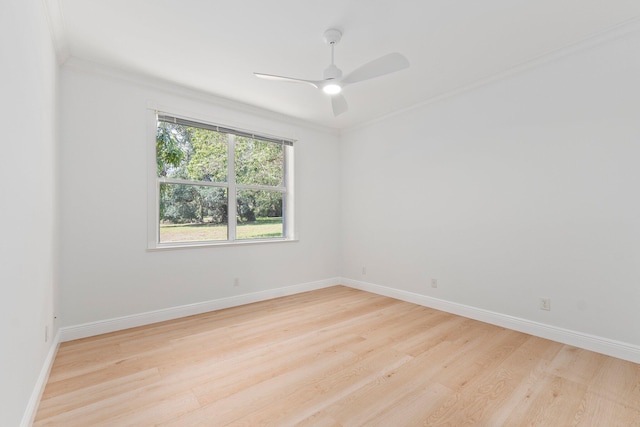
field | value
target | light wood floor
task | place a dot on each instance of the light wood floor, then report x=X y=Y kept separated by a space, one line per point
x=334 y=357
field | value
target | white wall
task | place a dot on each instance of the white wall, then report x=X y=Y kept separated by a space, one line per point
x=106 y=271
x=521 y=189
x=28 y=91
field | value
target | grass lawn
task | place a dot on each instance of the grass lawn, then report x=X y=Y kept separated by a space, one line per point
x=261 y=228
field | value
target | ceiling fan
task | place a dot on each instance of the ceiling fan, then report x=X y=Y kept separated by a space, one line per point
x=333 y=82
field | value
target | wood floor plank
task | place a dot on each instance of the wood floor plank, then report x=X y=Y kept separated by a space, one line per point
x=554 y=401
x=316 y=395
x=90 y=404
x=334 y=357
x=600 y=411
x=229 y=408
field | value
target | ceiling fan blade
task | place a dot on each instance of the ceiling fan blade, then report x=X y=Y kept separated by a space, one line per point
x=339 y=104
x=378 y=67
x=286 y=79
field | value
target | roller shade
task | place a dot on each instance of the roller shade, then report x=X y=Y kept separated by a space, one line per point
x=186 y=122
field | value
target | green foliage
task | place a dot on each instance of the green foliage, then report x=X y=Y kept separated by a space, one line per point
x=259 y=162
x=196 y=154
x=182 y=204
x=170 y=147
x=178 y=203
x=208 y=161
x=254 y=204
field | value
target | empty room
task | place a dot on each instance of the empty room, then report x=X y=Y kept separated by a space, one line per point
x=337 y=213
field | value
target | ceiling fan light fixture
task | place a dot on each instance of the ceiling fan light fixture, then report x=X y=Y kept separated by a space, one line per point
x=332 y=88
x=333 y=82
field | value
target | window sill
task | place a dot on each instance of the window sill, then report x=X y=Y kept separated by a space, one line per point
x=192 y=245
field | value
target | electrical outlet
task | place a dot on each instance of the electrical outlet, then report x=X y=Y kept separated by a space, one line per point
x=434 y=283
x=545 y=304
x=364 y=271
x=236 y=281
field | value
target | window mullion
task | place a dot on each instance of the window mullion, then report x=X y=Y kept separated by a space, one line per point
x=231 y=192
x=261 y=188
x=195 y=183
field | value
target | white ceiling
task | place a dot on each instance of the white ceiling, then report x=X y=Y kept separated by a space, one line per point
x=215 y=46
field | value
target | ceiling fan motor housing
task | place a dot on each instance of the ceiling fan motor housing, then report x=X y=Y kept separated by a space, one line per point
x=332 y=72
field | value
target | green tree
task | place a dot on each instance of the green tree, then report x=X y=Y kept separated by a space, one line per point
x=209 y=159
x=173 y=148
x=196 y=154
x=259 y=163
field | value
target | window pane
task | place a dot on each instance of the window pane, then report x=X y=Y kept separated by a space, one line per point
x=259 y=214
x=191 y=213
x=191 y=153
x=259 y=162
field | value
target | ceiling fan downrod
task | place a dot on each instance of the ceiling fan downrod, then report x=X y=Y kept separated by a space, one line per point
x=331 y=38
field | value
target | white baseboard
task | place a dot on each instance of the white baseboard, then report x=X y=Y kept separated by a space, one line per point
x=38 y=389
x=598 y=344
x=85 y=330
x=595 y=343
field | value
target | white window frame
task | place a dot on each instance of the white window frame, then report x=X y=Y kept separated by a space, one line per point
x=153 y=196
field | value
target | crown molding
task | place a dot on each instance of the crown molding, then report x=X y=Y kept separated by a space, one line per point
x=55 y=18
x=620 y=30
x=94 y=68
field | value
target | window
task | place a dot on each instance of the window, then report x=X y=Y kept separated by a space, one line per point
x=215 y=184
